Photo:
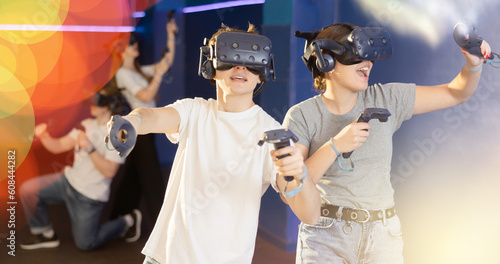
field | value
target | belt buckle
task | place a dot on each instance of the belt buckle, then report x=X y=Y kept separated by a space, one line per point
x=354 y=216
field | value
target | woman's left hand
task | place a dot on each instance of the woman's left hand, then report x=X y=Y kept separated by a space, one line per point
x=172 y=28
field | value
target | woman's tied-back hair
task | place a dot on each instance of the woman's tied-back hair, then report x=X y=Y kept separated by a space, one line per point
x=251 y=29
x=135 y=38
x=334 y=32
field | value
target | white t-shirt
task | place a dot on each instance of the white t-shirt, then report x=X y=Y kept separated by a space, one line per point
x=83 y=175
x=211 y=207
x=133 y=82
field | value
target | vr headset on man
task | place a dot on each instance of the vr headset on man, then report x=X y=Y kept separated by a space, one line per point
x=238 y=48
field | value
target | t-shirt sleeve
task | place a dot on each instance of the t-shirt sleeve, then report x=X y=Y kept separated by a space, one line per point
x=128 y=82
x=149 y=70
x=183 y=107
x=73 y=133
x=295 y=121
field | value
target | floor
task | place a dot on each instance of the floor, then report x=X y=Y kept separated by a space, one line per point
x=117 y=251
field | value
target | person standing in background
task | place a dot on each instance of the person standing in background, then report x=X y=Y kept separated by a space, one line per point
x=142 y=172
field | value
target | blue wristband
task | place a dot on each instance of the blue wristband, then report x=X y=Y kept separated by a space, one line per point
x=293 y=192
x=476 y=69
x=333 y=146
x=338 y=158
x=140 y=117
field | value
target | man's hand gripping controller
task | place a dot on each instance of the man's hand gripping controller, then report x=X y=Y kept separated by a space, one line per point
x=381 y=114
x=122 y=135
x=280 y=138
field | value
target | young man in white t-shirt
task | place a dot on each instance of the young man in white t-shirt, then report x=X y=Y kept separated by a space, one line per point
x=211 y=206
x=83 y=187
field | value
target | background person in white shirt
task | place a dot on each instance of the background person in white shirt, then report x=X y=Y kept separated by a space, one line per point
x=83 y=187
x=142 y=175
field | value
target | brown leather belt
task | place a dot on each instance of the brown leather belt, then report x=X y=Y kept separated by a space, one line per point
x=357 y=215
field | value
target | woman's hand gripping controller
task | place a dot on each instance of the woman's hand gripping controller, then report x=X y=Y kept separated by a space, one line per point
x=368 y=114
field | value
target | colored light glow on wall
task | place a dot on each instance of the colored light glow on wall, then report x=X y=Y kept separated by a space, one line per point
x=201 y=8
x=55 y=55
x=70 y=28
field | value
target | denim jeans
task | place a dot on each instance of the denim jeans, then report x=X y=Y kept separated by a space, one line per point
x=150 y=260
x=332 y=241
x=84 y=212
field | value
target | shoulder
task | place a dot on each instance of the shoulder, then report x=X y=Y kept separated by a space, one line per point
x=123 y=76
x=268 y=120
x=390 y=87
x=88 y=122
x=306 y=105
x=148 y=69
x=389 y=92
x=398 y=86
x=187 y=104
x=196 y=100
x=310 y=101
x=121 y=72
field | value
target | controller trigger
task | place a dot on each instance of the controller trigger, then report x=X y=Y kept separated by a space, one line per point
x=368 y=114
x=280 y=138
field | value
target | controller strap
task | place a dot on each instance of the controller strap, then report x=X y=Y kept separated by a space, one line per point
x=338 y=158
x=492 y=62
x=293 y=192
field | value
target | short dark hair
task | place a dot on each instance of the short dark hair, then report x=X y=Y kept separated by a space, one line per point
x=111 y=97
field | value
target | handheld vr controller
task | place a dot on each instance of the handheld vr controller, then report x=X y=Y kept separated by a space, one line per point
x=363 y=43
x=122 y=135
x=238 y=48
x=465 y=35
x=280 y=138
x=368 y=114
x=170 y=14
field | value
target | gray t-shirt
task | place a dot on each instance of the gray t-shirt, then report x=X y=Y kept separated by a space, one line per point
x=368 y=186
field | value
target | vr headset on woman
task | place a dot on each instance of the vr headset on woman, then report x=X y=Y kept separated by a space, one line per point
x=363 y=43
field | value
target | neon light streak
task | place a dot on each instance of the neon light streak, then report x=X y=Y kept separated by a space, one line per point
x=71 y=28
x=200 y=8
x=139 y=14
